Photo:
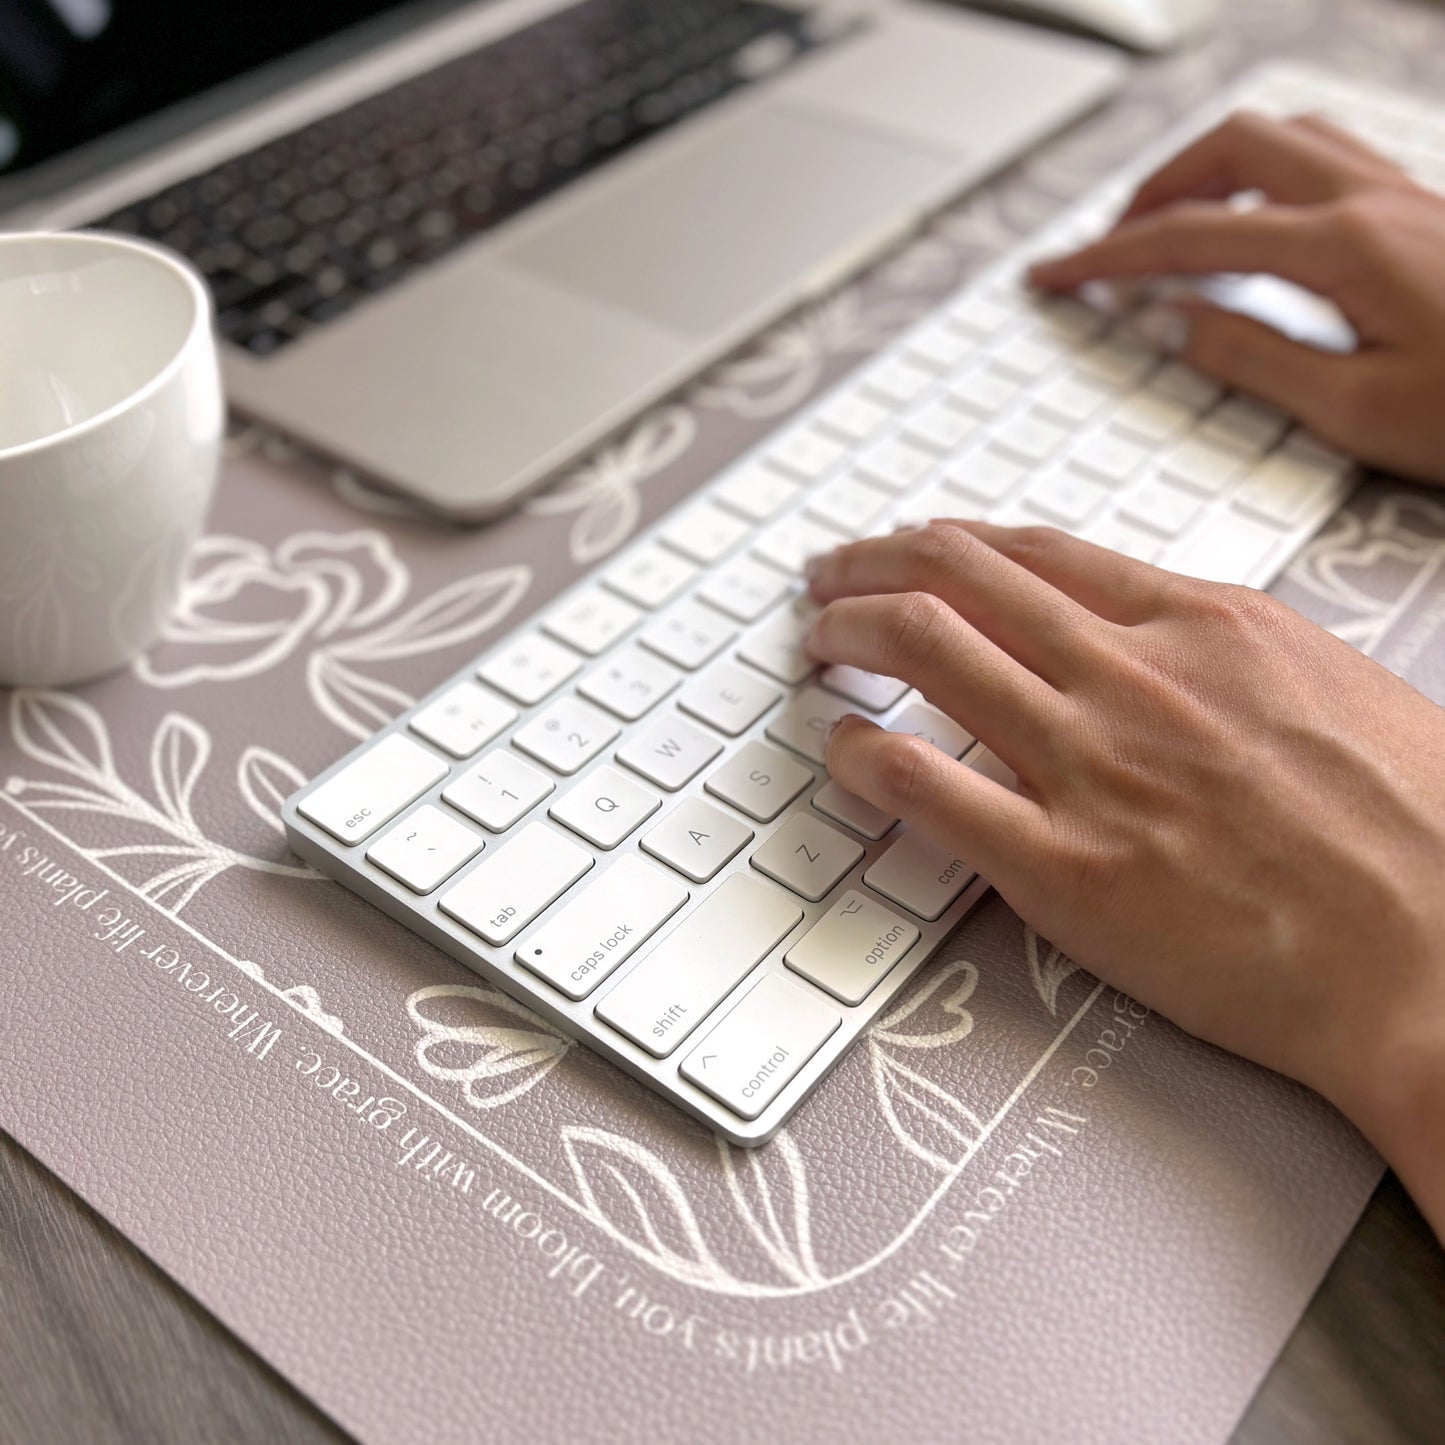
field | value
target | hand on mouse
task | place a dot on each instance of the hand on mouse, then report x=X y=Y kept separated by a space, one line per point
x=1339 y=220
x=1222 y=809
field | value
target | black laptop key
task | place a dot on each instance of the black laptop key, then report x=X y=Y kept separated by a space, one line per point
x=400 y=178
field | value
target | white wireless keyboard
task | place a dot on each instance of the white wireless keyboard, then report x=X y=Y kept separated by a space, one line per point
x=620 y=815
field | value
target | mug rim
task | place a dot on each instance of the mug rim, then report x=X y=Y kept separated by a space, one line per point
x=200 y=319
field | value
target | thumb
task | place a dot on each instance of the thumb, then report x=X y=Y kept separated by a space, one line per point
x=1250 y=356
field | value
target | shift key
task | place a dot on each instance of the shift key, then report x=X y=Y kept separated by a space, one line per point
x=669 y=993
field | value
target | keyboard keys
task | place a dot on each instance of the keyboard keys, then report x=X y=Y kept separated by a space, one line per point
x=529 y=668
x=759 y=781
x=805 y=723
x=1028 y=437
x=940 y=427
x=806 y=453
x=704 y=532
x=849 y=809
x=463 y=719
x=605 y=807
x=512 y=885
x=425 y=848
x=790 y=543
x=1183 y=384
x=918 y=874
x=1065 y=498
x=566 y=735
x=1070 y=399
x=1202 y=466
x=373 y=788
x=629 y=683
x=895 y=381
x=731 y=698
x=808 y=856
x=938 y=346
x=689 y=635
x=670 y=753
x=744 y=589
x=896 y=464
x=982 y=391
x=756 y=491
x=1163 y=509
x=1249 y=426
x=849 y=504
x=776 y=645
x=867 y=689
x=649 y=575
x=925 y=721
x=1151 y=419
x=1028 y=355
x=668 y=993
x=984 y=476
x=850 y=949
x=592 y=621
x=601 y=926
x=1110 y=459
x=1118 y=536
x=758 y=1048
x=851 y=416
x=1227 y=548
x=498 y=790
x=1283 y=487
x=697 y=839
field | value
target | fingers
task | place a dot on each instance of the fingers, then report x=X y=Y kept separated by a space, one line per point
x=1295 y=162
x=1031 y=621
x=919 y=639
x=1001 y=834
x=1358 y=150
x=1251 y=356
x=1197 y=238
x=1117 y=588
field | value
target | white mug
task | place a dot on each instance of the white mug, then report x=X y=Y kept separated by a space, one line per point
x=110 y=428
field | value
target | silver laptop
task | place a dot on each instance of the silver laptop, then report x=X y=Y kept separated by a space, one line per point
x=455 y=245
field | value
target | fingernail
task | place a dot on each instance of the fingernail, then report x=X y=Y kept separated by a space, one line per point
x=1164 y=326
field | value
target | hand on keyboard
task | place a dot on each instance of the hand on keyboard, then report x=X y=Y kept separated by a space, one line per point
x=1221 y=809
x=1339 y=220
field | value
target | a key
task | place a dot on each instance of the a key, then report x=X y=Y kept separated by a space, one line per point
x=1109 y=458
x=372 y=789
x=849 y=504
x=1203 y=466
x=868 y=690
x=980 y=317
x=925 y=721
x=512 y=885
x=758 y=1048
x=1070 y=399
x=731 y=698
x=851 y=811
x=759 y=781
x=1028 y=437
x=896 y=464
x=744 y=589
x=895 y=381
x=1182 y=383
x=704 y=532
x=789 y=544
x=775 y=646
x=690 y=634
x=982 y=391
x=756 y=491
x=601 y=926
x=1029 y=355
x=567 y=734
x=1227 y=548
x=697 y=839
x=984 y=476
x=649 y=575
x=529 y=668
x=1283 y=487
x=940 y=427
x=1117 y=535
x=1066 y=498
x=1118 y=363
x=938 y=346
x=605 y=807
x=592 y=621
x=1161 y=508
x=1251 y=427
x=849 y=950
x=808 y=856
x=498 y=790
x=463 y=719
x=1152 y=419
x=805 y=723
x=851 y=416
x=805 y=453
x=629 y=683
x=668 y=993
x=670 y=752
x=919 y=874
x=425 y=848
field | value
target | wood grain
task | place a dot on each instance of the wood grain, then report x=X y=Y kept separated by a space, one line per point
x=98 y=1346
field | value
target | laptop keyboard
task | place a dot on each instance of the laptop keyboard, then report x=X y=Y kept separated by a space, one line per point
x=305 y=227
x=620 y=814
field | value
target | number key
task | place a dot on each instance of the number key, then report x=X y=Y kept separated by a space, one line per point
x=567 y=734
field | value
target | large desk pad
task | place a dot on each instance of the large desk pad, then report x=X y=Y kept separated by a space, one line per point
x=1022 y=1209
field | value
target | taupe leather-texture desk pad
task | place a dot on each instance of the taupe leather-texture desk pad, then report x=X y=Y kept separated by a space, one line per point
x=1022 y=1209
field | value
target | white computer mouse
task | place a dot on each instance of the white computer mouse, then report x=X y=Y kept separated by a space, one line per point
x=1139 y=24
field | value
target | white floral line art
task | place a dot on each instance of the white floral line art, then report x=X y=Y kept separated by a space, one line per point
x=624 y=1152
x=343 y=593
x=67 y=735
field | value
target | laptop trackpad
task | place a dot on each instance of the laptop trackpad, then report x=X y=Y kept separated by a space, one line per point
x=708 y=231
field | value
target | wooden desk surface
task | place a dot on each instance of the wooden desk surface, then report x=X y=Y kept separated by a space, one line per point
x=98 y=1346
